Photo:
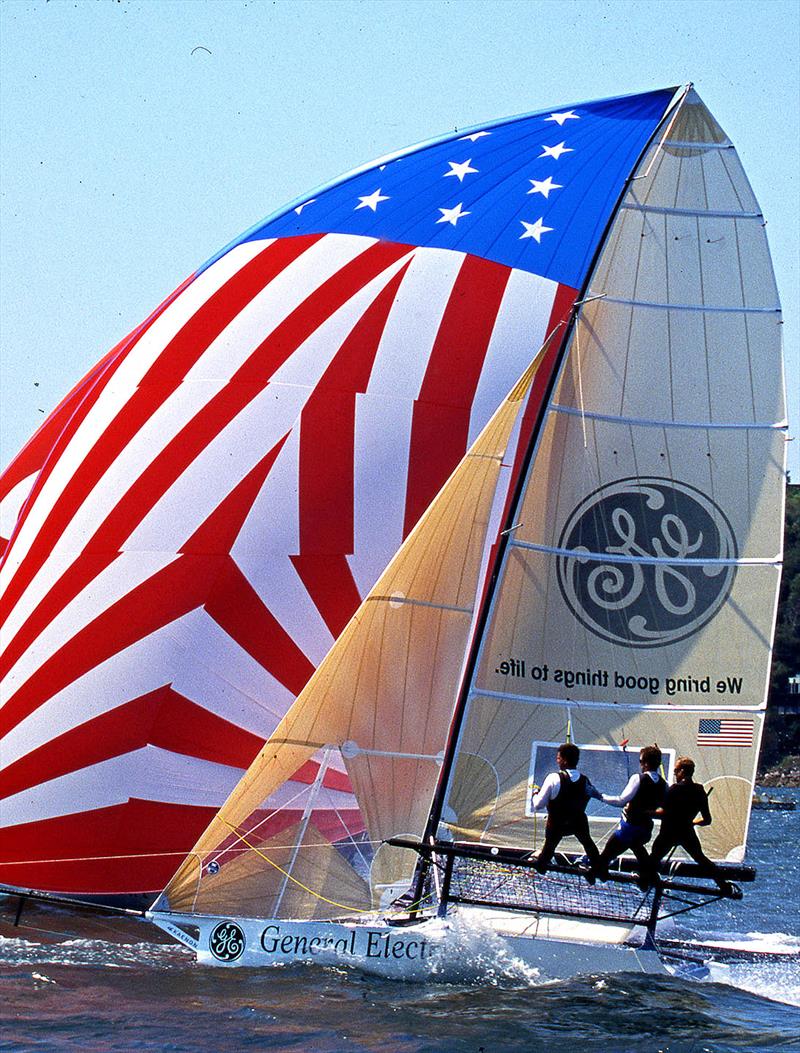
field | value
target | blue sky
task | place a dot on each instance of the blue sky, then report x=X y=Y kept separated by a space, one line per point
x=130 y=155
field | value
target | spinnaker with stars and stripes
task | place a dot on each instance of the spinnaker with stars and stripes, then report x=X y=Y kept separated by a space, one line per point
x=192 y=528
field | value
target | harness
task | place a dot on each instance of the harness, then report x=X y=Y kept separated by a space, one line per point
x=569 y=806
x=649 y=796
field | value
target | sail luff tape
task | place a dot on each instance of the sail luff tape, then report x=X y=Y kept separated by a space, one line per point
x=580 y=382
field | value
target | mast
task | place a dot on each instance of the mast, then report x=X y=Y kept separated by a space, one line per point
x=437 y=804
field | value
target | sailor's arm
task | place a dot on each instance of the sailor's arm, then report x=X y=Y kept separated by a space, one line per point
x=704 y=818
x=551 y=783
x=627 y=794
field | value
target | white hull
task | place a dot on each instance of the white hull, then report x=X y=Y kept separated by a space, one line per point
x=471 y=944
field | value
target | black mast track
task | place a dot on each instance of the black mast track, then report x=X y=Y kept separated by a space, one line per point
x=437 y=805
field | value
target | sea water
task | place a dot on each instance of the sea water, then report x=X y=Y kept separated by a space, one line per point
x=113 y=985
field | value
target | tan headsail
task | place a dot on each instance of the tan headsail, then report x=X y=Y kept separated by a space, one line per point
x=380 y=704
x=637 y=596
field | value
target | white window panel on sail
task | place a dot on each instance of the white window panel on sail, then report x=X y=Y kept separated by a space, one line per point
x=118 y=392
x=519 y=332
x=123 y=575
x=274 y=303
x=149 y=774
x=382 y=443
x=12 y=503
x=487 y=738
x=296 y=795
x=224 y=462
x=309 y=361
x=180 y=654
x=284 y=595
x=257 y=701
x=413 y=323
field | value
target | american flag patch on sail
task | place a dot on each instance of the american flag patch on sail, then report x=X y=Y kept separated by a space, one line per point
x=724 y=731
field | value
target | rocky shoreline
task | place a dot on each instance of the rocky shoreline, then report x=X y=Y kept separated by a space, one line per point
x=786 y=773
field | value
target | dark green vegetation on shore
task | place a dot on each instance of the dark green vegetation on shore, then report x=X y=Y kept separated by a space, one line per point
x=780 y=755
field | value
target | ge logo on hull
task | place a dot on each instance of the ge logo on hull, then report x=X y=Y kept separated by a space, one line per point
x=227 y=941
x=640 y=561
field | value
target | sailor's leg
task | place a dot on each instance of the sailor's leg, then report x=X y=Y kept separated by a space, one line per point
x=613 y=847
x=589 y=847
x=662 y=846
x=691 y=842
x=552 y=836
x=646 y=874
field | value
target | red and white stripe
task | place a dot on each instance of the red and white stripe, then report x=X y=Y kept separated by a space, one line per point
x=207 y=512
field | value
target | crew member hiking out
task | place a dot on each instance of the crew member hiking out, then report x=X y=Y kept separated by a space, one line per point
x=644 y=793
x=685 y=807
x=566 y=794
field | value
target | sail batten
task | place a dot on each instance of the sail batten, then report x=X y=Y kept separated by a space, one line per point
x=706 y=308
x=588 y=703
x=665 y=210
x=614 y=557
x=641 y=422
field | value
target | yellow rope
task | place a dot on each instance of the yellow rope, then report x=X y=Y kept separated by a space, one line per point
x=305 y=888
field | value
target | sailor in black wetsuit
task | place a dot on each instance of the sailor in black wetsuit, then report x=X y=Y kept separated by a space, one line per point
x=644 y=793
x=566 y=794
x=683 y=801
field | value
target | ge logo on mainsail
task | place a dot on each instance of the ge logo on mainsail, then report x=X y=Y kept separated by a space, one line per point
x=227 y=941
x=639 y=561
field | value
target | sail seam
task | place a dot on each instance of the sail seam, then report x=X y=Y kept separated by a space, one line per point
x=692 y=306
x=648 y=423
x=639 y=706
x=613 y=557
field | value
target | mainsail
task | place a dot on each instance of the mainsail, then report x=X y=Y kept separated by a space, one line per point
x=637 y=592
x=227 y=486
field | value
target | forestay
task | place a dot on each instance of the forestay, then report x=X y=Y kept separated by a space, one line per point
x=637 y=592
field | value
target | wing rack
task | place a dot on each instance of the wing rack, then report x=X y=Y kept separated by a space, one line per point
x=496 y=876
